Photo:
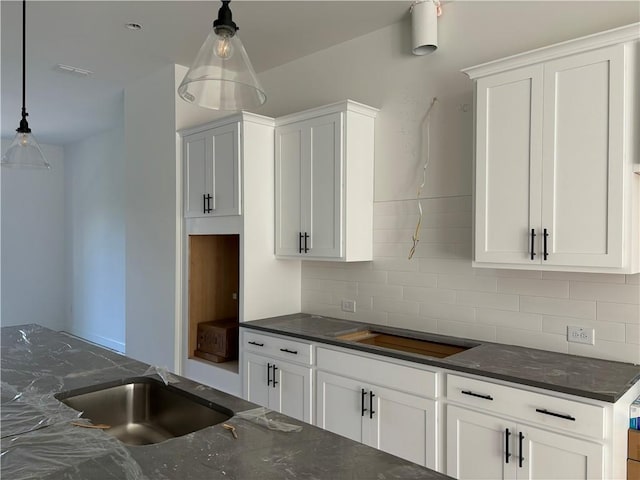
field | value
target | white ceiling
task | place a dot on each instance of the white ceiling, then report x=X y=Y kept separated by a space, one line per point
x=91 y=35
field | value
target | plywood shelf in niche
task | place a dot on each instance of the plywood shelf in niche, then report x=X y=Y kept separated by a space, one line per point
x=213 y=298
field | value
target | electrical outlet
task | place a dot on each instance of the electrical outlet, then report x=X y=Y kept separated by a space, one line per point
x=580 y=335
x=349 y=306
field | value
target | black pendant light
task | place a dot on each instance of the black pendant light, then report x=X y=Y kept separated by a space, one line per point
x=24 y=151
x=222 y=77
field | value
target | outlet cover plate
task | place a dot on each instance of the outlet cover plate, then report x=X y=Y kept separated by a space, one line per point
x=349 y=306
x=576 y=334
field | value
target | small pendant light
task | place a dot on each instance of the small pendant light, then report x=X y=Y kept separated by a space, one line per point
x=24 y=151
x=221 y=77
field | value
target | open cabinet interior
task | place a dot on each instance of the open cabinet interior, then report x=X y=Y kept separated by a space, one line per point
x=214 y=262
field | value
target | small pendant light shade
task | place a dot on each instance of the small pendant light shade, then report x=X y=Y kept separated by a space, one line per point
x=221 y=77
x=24 y=151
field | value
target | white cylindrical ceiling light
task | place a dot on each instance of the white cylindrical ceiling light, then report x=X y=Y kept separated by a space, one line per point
x=424 y=27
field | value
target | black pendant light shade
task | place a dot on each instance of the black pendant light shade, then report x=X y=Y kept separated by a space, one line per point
x=24 y=151
x=222 y=77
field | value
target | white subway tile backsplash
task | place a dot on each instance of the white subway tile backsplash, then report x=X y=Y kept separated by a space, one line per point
x=447 y=311
x=605 y=292
x=420 y=294
x=622 y=352
x=498 y=301
x=618 y=312
x=525 y=338
x=466 y=282
x=467 y=330
x=412 y=279
x=614 y=332
x=504 y=318
x=389 y=305
x=558 y=306
x=633 y=334
x=527 y=286
x=439 y=290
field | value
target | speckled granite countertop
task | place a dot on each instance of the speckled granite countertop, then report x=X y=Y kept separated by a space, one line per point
x=38 y=440
x=582 y=376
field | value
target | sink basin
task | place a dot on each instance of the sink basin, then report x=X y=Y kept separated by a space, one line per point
x=143 y=410
x=403 y=344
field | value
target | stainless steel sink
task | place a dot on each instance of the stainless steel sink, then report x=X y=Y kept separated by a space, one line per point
x=143 y=410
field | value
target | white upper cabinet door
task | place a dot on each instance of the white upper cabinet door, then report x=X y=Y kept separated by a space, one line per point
x=508 y=165
x=212 y=172
x=582 y=200
x=322 y=193
x=198 y=161
x=550 y=455
x=289 y=151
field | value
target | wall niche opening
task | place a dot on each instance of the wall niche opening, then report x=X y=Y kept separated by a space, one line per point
x=214 y=270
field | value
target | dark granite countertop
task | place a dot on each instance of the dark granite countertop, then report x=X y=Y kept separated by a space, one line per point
x=38 y=440
x=582 y=376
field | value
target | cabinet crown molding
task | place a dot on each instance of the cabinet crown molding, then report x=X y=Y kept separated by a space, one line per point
x=342 y=106
x=623 y=34
x=235 y=118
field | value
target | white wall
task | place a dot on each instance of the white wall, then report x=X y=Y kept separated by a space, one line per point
x=33 y=286
x=438 y=291
x=152 y=218
x=95 y=201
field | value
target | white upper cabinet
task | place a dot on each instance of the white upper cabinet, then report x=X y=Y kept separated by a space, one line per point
x=211 y=171
x=555 y=147
x=324 y=183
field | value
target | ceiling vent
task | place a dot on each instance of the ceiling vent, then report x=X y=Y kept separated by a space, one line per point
x=75 y=71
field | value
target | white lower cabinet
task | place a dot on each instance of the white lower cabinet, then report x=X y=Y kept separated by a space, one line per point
x=481 y=446
x=394 y=422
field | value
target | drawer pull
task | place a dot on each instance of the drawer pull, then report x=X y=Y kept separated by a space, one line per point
x=256 y=344
x=553 y=414
x=478 y=395
x=295 y=352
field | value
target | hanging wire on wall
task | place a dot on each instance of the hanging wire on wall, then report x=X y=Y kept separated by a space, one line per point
x=426 y=132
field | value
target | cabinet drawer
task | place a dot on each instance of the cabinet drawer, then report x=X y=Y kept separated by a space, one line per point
x=379 y=372
x=553 y=412
x=276 y=347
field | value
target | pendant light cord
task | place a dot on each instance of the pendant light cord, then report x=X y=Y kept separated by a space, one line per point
x=24 y=56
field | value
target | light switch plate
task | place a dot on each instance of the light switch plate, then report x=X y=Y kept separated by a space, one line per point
x=349 y=306
x=577 y=334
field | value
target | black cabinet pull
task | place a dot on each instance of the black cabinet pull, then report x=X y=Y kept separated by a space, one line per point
x=545 y=235
x=553 y=414
x=533 y=245
x=268 y=374
x=286 y=350
x=306 y=238
x=204 y=203
x=275 y=382
x=256 y=344
x=371 y=411
x=507 y=434
x=521 y=458
x=486 y=397
x=364 y=394
x=300 y=242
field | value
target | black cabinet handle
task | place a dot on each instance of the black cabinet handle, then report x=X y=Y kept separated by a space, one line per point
x=486 y=397
x=545 y=253
x=286 y=350
x=507 y=434
x=371 y=411
x=533 y=245
x=364 y=394
x=306 y=238
x=275 y=382
x=256 y=344
x=300 y=242
x=268 y=374
x=553 y=414
x=204 y=203
x=521 y=458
